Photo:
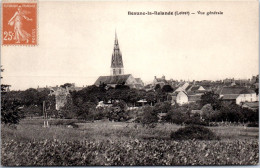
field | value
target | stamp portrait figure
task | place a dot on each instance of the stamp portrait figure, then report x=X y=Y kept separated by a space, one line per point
x=17 y=21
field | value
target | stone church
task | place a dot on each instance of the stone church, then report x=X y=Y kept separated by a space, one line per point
x=117 y=76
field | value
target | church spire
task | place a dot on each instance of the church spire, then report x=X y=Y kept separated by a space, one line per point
x=117 y=67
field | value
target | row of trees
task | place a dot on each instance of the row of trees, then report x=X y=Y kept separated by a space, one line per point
x=82 y=105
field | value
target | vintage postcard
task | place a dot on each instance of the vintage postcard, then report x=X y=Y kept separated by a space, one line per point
x=129 y=83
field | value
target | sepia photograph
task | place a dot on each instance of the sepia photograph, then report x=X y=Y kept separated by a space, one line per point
x=129 y=83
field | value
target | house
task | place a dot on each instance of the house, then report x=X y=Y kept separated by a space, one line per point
x=246 y=95
x=139 y=81
x=196 y=89
x=161 y=81
x=182 y=98
x=237 y=95
x=182 y=87
x=61 y=96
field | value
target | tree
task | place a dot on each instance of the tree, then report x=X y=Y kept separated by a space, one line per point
x=148 y=117
x=150 y=97
x=162 y=107
x=66 y=85
x=207 y=112
x=30 y=97
x=10 y=106
x=68 y=110
x=157 y=87
x=85 y=110
x=177 y=115
x=10 y=111
x=212 y=99
x=118 y=112
x=167 y=88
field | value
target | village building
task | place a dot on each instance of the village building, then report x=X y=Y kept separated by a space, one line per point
x=183 y=97
x=117 y=76
x=61 y=93
x=238 y=95
x=159 y=81
x=61 y=96
x=182 y=87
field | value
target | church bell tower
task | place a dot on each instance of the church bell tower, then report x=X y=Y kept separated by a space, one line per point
x=117 y=67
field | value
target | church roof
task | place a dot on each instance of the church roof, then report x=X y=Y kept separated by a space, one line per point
x=116 y=79
x=117 y=61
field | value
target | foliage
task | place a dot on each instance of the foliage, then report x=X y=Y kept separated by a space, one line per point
x=11 y=107
x=167 y=88
x=157 y=87
x=66 y=85
x=194 y=132
x=85 y=110
x=196 y=120
x=98 y=114
x=207 y=112
x=32 y=110
x=235 y=113
x=212 y=99
x=10 y=112
x=132 y=152
x=162 y=107
x=150 y=97
x=68 y=110
x=148 y=117
x=118 y=112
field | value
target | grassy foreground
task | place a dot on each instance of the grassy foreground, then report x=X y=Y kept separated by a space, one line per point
x=108 y=143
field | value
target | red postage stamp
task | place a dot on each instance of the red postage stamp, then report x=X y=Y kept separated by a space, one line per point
x=19 y=23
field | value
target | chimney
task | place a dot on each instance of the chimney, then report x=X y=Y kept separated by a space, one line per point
x=154 y=77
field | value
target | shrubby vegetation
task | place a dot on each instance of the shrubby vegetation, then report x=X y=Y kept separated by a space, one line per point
x=193 y=132
x=129 y=152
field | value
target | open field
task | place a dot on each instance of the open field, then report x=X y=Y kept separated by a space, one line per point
x=115 y=143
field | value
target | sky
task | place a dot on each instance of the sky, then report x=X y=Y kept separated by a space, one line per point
x=76 y=43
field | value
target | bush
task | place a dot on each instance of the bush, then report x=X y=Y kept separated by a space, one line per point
x=10 y=111
x=148 y=117
x=118 y=112
x=194 y=132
